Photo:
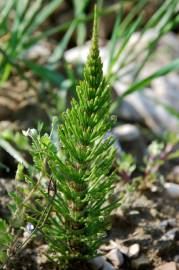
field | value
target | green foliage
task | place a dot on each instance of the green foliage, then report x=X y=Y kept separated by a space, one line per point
x=80 y=179
x=15 y=138
x=122 y=56
x=19 y=21
x=125 y=167
x=5 y=240
x=157 y=155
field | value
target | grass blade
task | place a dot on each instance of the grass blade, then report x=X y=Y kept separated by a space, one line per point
x=138 y=86
x=60 y=48
x=45 y=73
x=46 y=12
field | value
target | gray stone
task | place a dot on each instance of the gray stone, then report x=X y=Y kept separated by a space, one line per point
x=98 y=262
x=115 y=257
x=130 y=139
x=168 y=223
x=172 y=234
x=37 y=51
x=108 y=266
x=172 y=190
x=126 y=132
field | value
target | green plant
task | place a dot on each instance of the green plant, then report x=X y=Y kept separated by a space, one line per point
x=21 y=28
x=158 y=153
x=81 y=178
x=18 y=22
x=5 y=240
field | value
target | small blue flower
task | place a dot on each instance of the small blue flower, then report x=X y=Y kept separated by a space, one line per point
x=29 y=227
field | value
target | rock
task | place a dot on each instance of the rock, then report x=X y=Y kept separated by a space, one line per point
x=98 y=262
x=167 y=266
x=130 y=139
x=140 y=262
x=172 y=234
x=134 y=251
x=126 y=132
x=108 y=266
x=153 y=212
x=172 y=190
x=37 y=51
x=116 y=257
x=141 y=107
x=154 y=188
x=168 y=223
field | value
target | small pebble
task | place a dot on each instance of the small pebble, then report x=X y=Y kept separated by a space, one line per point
x=168 y=223
x=172 y=190
x=153 y=212
x=127 y=132
x=116 y=257
x=154 y=188
x=172 y=234
x=134 y=251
